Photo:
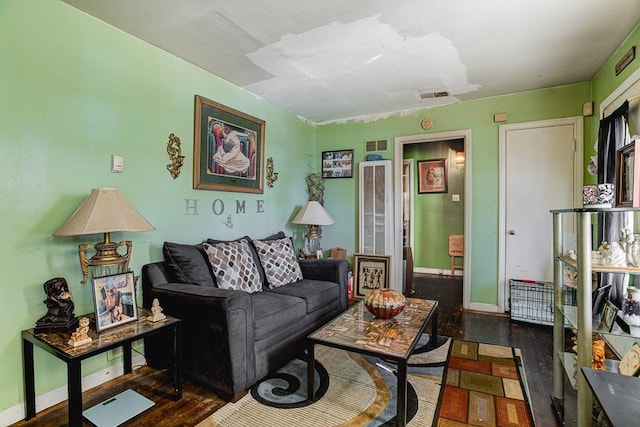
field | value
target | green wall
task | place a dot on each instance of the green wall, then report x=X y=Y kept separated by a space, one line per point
x=73 y=92
x=436 y=216
x=477 y=115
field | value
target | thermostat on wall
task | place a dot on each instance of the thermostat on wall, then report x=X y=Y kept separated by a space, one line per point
x=117 y=164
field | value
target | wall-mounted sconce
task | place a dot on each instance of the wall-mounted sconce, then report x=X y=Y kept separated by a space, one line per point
x=459 y=157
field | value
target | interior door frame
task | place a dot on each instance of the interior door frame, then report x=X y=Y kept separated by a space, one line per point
x=409 y=164
x=399 y=143
x=578 y=156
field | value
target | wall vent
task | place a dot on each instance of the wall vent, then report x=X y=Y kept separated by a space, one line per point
x=376 y=145
x=438 y=94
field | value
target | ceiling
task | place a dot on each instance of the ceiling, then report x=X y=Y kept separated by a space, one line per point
x=336 y=59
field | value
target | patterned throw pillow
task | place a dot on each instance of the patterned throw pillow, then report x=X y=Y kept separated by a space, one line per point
x=233 y=266
x=278 y=261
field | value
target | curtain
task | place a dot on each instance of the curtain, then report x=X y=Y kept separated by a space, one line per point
x=613 y=134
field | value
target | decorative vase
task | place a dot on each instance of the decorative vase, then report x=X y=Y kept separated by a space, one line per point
x=631 y=310
x=385 y=303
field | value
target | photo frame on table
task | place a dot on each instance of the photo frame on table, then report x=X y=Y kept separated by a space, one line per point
x=608 y=316
x=228 y=149
x=337 y=164
x=370 y=272
x=114 y=300
x=630 y=362
x=628 y=175
x=432 y=176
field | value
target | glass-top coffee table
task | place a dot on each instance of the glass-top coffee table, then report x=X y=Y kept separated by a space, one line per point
x=358 y=331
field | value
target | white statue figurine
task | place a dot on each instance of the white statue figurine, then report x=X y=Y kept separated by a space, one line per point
x=156 y=311
x=612 y=254
x=81 y=334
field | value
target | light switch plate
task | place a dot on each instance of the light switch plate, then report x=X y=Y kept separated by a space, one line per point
x=455 y=197
x=117 y=164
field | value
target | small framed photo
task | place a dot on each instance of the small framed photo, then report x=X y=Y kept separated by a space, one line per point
x=114 y=299
x=370 y=272
x=628 y=175
x=432 y=176
x=630 y=363
x=608 y=316
x=337 y=164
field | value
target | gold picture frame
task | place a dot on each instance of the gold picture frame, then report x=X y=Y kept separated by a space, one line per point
x=370 y=272
x=628 y=175
x=228 y=149
x=607 y=318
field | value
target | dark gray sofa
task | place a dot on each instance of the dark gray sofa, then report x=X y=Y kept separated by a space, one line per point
x=231 y=338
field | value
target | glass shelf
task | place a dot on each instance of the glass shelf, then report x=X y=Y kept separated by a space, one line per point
x=597 y=268
x=569 y=364
x=618 y=340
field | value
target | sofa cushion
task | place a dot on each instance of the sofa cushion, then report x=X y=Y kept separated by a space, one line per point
x=315 y=293
x=279 y=261
x=254 y=253
x=188 y=264
x=233 y=266
x=271 y=312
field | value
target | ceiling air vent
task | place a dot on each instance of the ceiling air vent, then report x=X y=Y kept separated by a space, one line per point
x=376 y=145
x=439 y=94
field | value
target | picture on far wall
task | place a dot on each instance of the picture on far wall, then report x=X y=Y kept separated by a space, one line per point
x=337 y=164
x=228 y=150
x=432 y=176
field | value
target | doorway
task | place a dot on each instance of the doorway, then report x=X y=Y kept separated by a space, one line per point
x=540 y=170
x=464 y=137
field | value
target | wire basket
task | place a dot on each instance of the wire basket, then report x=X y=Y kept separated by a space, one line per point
x=532 y=301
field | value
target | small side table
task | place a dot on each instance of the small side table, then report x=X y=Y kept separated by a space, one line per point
x=120 y=336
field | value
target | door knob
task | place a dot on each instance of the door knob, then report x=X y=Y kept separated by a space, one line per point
x=512 y=232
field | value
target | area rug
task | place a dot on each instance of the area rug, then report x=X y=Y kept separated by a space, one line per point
x=352 y=390
x=484 y=385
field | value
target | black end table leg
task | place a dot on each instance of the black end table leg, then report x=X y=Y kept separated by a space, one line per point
x=434 y=327
x=29 y=380
x=177 y=361
x=401 y=417
x=126 y=357
x=74 y=387
x=311 y=372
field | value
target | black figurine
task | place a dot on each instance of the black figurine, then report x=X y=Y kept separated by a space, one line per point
x=59 y=307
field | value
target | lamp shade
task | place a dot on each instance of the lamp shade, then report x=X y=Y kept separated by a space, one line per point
x=103 y=211
x=313 y=214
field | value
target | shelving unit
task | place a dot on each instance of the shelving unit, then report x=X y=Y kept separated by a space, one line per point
x=565 y=367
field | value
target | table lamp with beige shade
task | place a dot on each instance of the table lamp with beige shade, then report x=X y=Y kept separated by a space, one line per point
x=104 y=211
x=314 y=215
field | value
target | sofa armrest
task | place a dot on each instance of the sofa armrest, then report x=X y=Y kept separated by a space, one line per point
x=329 y=270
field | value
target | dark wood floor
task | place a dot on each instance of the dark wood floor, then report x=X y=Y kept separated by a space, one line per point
x=198 y=402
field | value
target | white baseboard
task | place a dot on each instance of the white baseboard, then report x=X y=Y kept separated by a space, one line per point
x=436 y=271
x=46 y=400
x=489 y=308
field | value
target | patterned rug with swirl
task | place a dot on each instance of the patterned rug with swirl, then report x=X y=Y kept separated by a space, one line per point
x=352 y=390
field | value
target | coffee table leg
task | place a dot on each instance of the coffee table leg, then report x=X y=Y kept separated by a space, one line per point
x=401 y=416
x=310 y=372
x=434 y=327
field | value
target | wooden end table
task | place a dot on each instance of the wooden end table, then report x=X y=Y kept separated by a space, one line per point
x=56 y=343
x=358 y=331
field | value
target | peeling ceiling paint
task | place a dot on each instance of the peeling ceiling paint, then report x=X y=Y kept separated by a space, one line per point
x=334 y=60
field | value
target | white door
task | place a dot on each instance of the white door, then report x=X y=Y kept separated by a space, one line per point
x=539 y=175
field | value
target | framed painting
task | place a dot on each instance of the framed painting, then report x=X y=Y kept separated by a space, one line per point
x=337 y=164
x=608 y=316
x=370 y=272
x=628 y=175
x=114 y=300
x=228 y=149
x=432 y=176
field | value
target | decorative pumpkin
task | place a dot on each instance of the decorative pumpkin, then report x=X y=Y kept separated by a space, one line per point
x=385 y=303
